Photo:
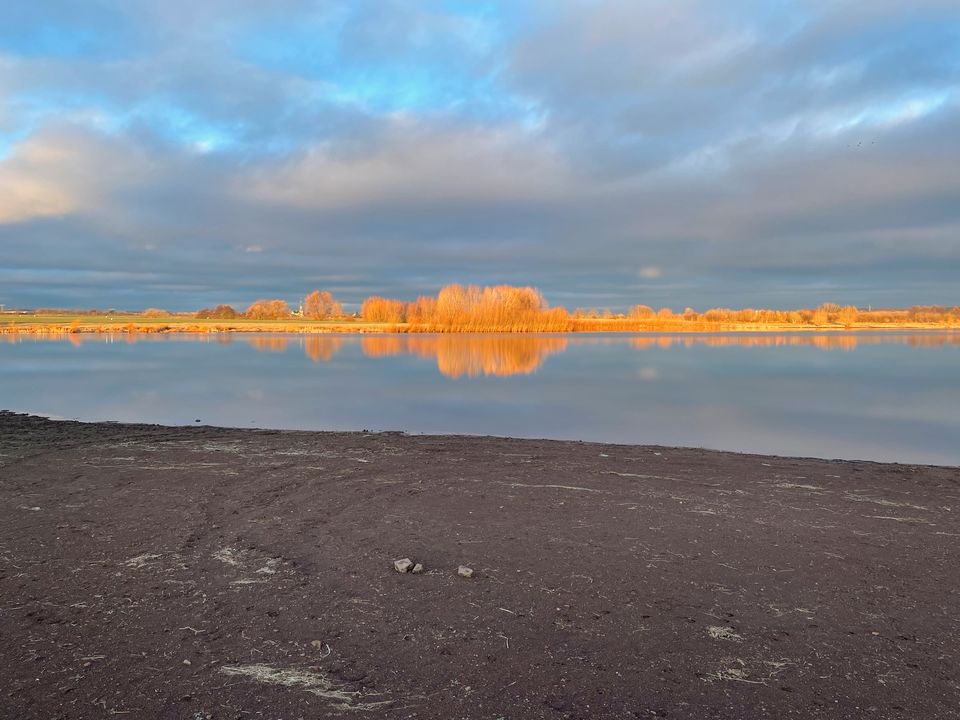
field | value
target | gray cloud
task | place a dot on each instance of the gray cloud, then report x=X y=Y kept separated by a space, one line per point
x=613 y=153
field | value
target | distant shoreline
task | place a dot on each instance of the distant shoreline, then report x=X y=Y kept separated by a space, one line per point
x=119 y=325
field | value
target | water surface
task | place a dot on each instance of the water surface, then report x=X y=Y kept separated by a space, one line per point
x=877 y=396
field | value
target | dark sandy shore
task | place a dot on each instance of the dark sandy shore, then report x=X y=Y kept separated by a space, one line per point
x=215 y=573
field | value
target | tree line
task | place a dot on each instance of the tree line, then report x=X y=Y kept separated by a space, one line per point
x=501 y=308
x=643 y=317
x=318 y=305
x=507 y=308
x=456 y=308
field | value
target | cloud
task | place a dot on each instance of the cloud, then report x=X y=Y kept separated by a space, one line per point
x=412 y=164
x=28 y=190
x=634 y=86
x=611 y=153
x=68 y=169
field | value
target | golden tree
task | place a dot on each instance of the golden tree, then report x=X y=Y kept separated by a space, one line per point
x=320 y=305
x=268 y=310
x=379 y=309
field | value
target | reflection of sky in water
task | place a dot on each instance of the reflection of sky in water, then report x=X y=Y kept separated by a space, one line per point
x=874 y=396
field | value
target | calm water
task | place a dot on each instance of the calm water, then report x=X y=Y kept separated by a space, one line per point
x=870 y=396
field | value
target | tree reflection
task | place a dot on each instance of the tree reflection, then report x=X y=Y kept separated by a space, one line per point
x=503 y=355
x=845 y=342
x=270 y=343
x=471 y=355
x=322 y=348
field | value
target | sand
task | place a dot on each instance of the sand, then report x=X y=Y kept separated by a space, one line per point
x=166 y=572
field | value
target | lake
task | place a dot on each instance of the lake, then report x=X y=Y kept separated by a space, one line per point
x=875 y=396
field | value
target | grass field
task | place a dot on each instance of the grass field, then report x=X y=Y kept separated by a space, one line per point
x=175 y=323
x=121 y=323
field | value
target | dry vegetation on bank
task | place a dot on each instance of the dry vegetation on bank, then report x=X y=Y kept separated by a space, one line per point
x=469 y=309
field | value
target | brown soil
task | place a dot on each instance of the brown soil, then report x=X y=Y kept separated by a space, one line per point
x=217 y=573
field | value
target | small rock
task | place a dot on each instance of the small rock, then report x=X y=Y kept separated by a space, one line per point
x=402 y=566
x=325 y=650
x=187 y=662
x=464 y=571
x=418 y=568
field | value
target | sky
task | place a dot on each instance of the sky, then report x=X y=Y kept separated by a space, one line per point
x=765 y=153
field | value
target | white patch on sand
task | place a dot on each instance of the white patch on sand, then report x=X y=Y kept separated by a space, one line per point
x=141 y=561
x=796 y=486
x=885 y=503
x=919 y=521
x=556 y=487
x=270 y=568
x=311 y=682
x=229 y=556
x=718 y=632
x=639 y=476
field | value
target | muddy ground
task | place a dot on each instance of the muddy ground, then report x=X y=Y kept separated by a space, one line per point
x=192 y=573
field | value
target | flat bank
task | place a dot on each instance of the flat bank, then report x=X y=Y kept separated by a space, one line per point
x=199 y=572
x=15 y=326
